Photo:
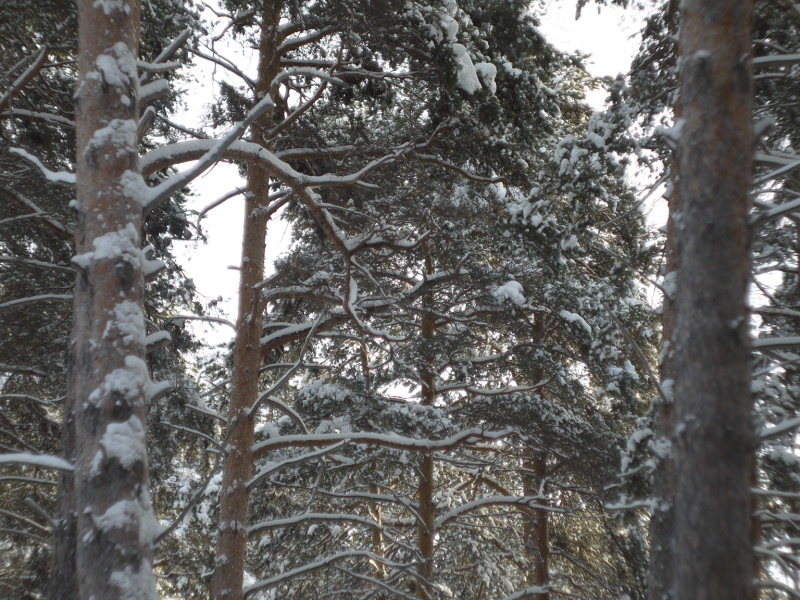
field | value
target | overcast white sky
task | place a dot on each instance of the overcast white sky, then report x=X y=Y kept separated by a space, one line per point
x=606 y=34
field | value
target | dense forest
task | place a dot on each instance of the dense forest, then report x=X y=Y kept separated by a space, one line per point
x=476 y=371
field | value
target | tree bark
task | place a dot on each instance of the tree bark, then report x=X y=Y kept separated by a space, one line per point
x=662 y=519
x=714 y=440
x=234 y=497
x=109 y=386
x=427 y=509
x=536 y=527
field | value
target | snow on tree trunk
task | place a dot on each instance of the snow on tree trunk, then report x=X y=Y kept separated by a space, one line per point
x=714 y=438
x=109 y=382
x=237 y=466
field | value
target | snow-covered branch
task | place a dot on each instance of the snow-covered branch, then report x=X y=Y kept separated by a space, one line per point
x=518 y=501
x=45 y=461
x=62 y=177
x=320 y=564
x=35 y=263
x=468 y=436
x=39 y=298
x=295 y=460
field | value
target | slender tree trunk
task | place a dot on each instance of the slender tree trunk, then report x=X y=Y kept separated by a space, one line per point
x=63 y=573
x=427 y=510
x=109 y=386
x=237 y=466
x=713 y=554
x=536 y=527
x=662 y=519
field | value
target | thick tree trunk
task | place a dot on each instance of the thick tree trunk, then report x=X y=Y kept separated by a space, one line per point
x=237 y=466
x=714 y=440
x=109 y=387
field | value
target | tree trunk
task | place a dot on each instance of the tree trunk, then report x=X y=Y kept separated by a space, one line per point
x=109 y=386
x=714 y=440
x=63 y=572
x=237 y=466
x=425 y=488
x=536 y=527
x=662 y=519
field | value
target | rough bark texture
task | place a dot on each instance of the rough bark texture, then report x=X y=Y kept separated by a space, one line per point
x=237 y=466
x=109 y=387
x=714 y=440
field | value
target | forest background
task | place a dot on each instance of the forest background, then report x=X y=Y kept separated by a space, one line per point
x=456 y=382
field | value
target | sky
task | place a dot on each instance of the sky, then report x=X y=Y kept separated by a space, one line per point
x=606 y=33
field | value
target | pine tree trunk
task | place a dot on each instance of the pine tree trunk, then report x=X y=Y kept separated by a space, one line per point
x=234 y=497
x=536 y=527
x=662 y=519
x=63 y=572
x=425 y=488
x=714 y=442
x=108 y=380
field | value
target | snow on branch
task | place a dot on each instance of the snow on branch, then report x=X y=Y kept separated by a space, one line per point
x=35 y=263
x=31 y=299
x=37 y=212
x=45 y=461
x=320 y=564
x=218 y=320
x=776 y=343
x=783 y=427
x=146 y=67
x=152 y=91
x=285 y=377
x=29 y=397
x=166 y=53
x=528 y=592
x=313 y=518
x=472 y=435
x=21 y=81
x=295 y=460
x=779 y=60
x=18 y=113
x=62 y=177
x=519 y=501
x=216 y=151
